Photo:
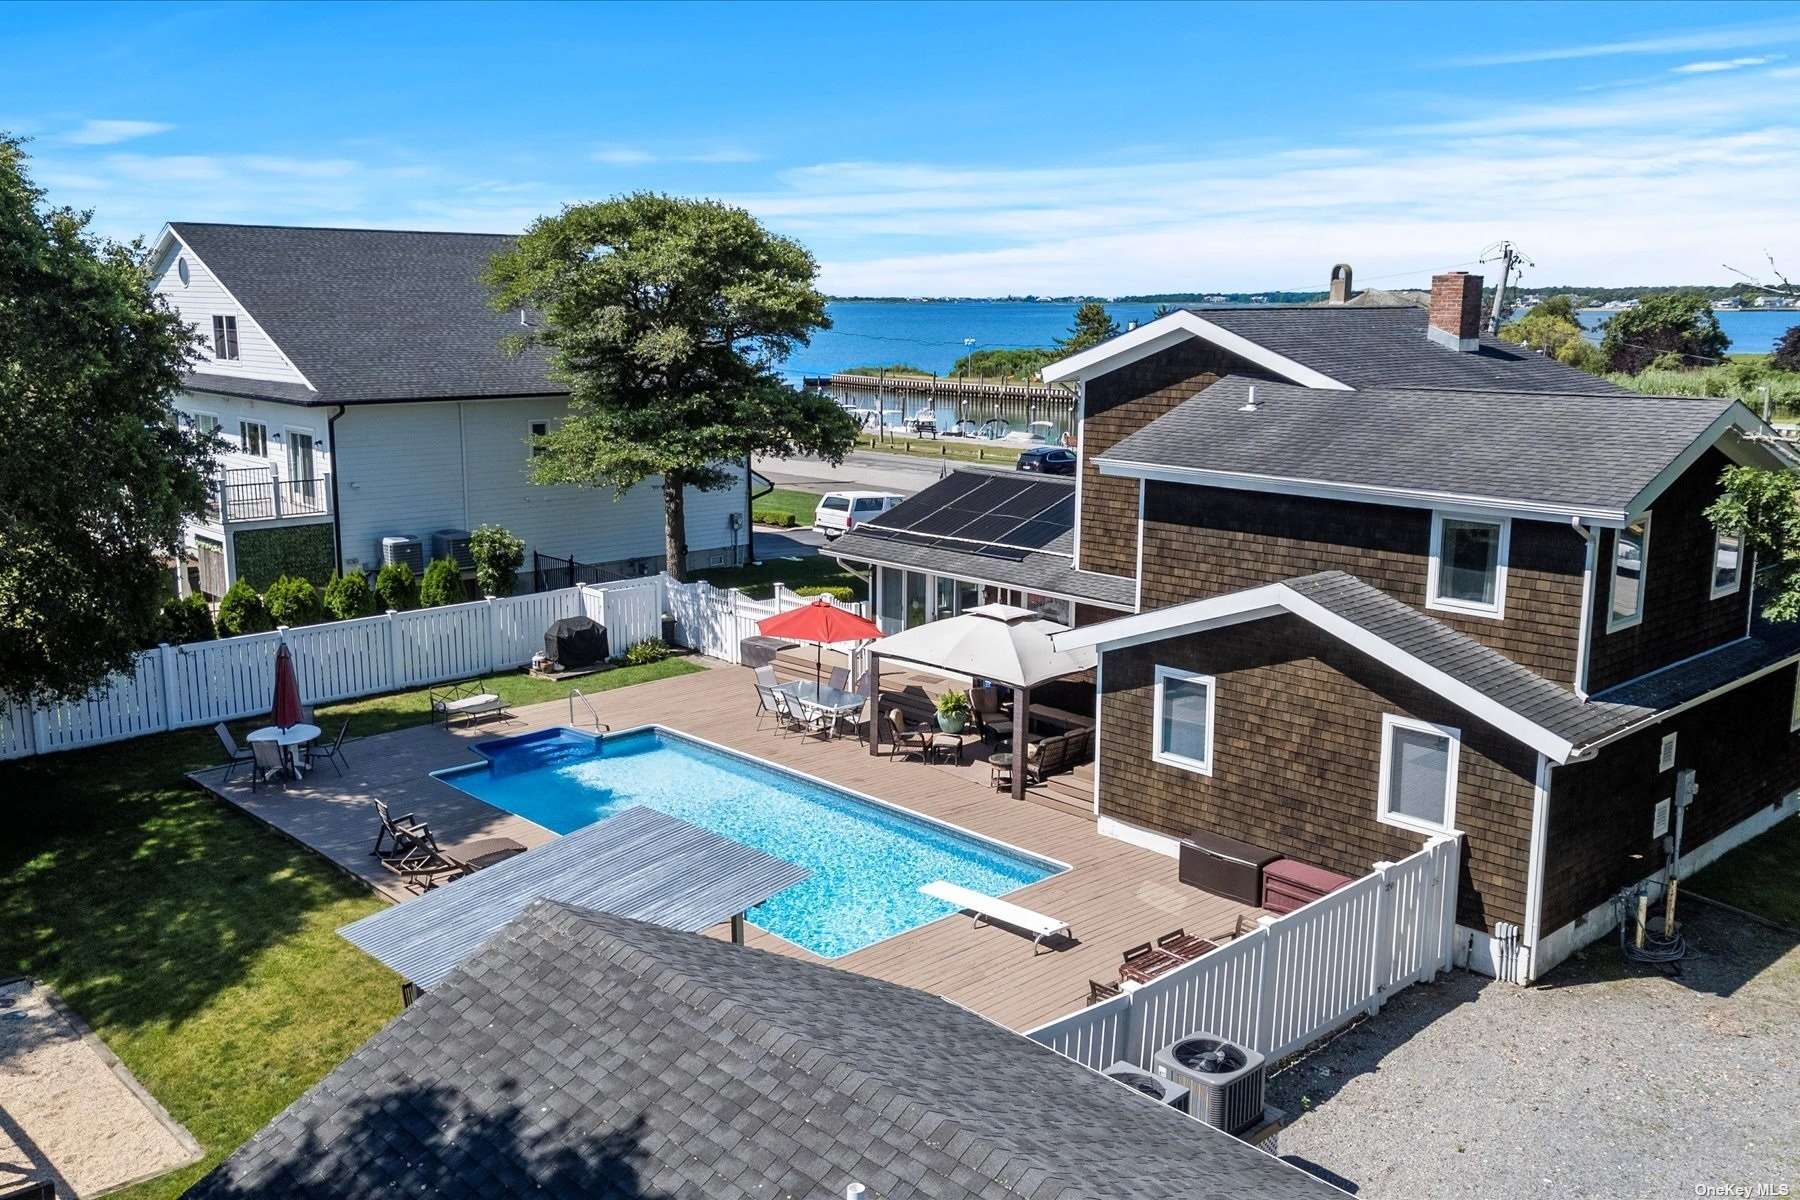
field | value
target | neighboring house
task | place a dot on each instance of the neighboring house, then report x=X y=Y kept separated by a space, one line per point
x=1392 y=578
x=581 y=1054
x=359 y=380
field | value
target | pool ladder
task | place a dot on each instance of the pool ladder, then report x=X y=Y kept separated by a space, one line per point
x=599 y=725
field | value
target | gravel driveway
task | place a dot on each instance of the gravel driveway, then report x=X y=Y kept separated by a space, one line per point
x=1607 y=1079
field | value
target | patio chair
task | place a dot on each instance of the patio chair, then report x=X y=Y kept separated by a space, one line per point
x=1184 y=945
x=1145 y=962
x=990 y=718
x=424 y=864
x=334 y=751
x=840 y=679
x=234 y=753
x=266 y=765
x=1049 y=756
x=401 y=831
x=906 y=737
x=765 y=675
x=767 y=707
x=1099 y=989
x=795 y=717
x=1242 y=924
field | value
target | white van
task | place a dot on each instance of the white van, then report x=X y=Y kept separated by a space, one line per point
x=840 y=512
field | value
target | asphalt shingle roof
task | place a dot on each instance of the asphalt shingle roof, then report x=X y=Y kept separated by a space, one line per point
x=1048 y=567
x=1592 y=452
x=1380 y=346
x=371 y=314
x=587 y=1055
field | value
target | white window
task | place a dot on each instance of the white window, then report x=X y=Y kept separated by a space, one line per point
x=1727 y=564
x=1418 y=774
x=1051 y=608
x=1631 y=557
x=204 y=422
x=1184 y=719
x=253 y=438
x=538 y=429
x=225 y=344
x=1468 y=565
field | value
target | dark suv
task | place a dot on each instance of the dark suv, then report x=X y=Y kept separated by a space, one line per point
x=1048 y=460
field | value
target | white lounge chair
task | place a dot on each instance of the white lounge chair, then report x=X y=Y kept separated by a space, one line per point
x=992 y=908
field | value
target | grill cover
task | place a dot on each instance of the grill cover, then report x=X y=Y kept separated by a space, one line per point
x=576 y=642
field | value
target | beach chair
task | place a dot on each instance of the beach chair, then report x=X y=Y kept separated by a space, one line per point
x=424 y=865
x=234 y=753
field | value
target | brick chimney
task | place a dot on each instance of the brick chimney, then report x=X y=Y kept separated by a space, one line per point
x=1455 y=311
x=1340 y=284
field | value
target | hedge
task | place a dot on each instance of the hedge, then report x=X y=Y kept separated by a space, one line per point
x=770 y=516
x=302 y=551
x=837 y=591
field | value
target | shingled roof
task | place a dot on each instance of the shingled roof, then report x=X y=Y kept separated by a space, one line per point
x=373 y=314
x=579 y=1054
x=1592 y=455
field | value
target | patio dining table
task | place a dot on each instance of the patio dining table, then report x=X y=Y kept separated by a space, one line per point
x=824 y=699
x=287 y=739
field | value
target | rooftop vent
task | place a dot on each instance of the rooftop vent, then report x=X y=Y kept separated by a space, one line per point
x=1456 y=311
x=1249 y=404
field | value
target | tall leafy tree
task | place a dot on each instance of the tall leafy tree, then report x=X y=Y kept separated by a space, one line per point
x=1679 y=323
x=666 y=318
x=1762 y=507
x=95 y=474
x=1092 y=326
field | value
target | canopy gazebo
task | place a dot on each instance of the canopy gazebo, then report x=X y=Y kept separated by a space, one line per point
x=1009 y=646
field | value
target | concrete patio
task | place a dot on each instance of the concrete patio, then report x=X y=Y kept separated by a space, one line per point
x=1115 y=895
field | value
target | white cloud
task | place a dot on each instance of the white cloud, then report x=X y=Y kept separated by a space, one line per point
x=1725 y=37
x=109 y=133
x=638 y=156
x=1713 y=65
x=624 y=156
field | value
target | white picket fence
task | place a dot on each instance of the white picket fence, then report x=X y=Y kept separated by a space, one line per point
x=1293 y=979
x=715 y=621
x=178 y=687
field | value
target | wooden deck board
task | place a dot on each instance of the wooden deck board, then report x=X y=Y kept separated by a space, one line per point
x=1114 y=895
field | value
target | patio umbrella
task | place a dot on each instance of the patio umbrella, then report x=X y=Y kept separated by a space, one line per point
x=287 y=689
x=820 y=623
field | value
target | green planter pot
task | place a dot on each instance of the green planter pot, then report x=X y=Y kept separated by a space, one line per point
x=951 y=724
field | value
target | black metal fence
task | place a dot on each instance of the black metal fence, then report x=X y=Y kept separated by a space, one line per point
x=550 y=572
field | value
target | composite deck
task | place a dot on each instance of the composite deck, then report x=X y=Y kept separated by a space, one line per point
x=1115 y=895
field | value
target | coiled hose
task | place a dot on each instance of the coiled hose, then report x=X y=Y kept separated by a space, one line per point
x=1657 y=948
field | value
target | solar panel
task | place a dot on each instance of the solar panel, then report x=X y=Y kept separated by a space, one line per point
x=987 y=528
x=1032 y=500
x=931 y=501
x=948 y=520
x=1035 y=534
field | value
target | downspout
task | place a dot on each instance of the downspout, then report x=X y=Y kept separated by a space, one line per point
x=337 y=526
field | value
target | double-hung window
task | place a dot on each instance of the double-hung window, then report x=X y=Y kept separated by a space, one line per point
x=1727 y=563
x=1184 y=719
x=1468 y=564
x=538 y=431
x=225 y=344
x=1631 y=560
x=253 y=438
x=204 y=422
x=1418 y=774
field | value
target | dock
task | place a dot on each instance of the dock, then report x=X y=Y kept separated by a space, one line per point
x=941 y=386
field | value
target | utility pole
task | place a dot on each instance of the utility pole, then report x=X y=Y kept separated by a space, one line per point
x=1510 y=258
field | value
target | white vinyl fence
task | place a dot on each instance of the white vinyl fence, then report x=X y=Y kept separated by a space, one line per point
x=715 y=621
x=631 y=610
x=178 y=687
x=1294 y=978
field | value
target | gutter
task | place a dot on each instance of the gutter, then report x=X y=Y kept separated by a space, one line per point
x=337 y=518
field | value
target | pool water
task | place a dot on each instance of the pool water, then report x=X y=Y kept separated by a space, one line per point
x=867 y=859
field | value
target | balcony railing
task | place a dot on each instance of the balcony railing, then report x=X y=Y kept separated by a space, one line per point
x=256 y=494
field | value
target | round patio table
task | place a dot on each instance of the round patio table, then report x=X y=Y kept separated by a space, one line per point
x=1000 y=769
x=287 y=739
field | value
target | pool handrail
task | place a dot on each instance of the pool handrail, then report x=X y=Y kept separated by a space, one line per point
x=599 y=725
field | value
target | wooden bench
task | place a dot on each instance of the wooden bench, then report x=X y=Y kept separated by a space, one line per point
x=992 y=908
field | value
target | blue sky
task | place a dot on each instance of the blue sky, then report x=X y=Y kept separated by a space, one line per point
x=959 y=148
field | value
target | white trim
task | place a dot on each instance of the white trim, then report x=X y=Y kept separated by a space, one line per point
x=1591 y=748
x=832 y=552
x=1137 y=594
x=1099 y=711
x=1735 y=417
x=1152 y=337
x=1495 y=611
x=1584 y=637
x=1534 y=870
x=1614 y=623
x=1200 y=766
x=1255 y=603
x=1136 y=835
x=1080 y=465
x=1453 y=736
x=1714 y=591
x=168 y=233
x=1320 y=489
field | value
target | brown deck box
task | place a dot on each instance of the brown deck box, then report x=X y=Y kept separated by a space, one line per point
x=1224 y=866
x=1288 y=884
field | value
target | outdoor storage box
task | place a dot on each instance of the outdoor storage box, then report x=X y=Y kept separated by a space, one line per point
x=1288 y=883
x=1224 y=866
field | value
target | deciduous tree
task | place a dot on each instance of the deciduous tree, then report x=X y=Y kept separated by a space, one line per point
x=1761 y=507
x=95 y=474
x=1667 y=323
x=666 y=318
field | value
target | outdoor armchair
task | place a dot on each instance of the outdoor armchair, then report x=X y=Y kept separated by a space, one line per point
x=234 y=753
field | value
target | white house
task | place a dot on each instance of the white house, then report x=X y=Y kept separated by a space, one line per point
x=359 y=378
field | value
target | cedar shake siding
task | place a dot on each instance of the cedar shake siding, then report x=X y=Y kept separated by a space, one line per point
x=1201 y=542
x=1120 y=403
x=1680 y=619
x=1599 y=834
x=1297 y=758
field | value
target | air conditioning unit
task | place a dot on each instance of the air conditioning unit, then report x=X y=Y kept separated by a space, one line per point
x=1225 y=1080
x=453 y=544
x=402 y=548
x=1163 y=1091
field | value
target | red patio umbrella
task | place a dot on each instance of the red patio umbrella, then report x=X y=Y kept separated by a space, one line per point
x=820 y=623
x=287 y=689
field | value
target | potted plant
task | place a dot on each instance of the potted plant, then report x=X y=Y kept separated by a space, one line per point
x=952 y=710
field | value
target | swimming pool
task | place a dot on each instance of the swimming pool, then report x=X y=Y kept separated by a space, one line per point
x=867 y=858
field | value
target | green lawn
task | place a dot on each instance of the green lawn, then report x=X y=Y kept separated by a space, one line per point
x=1760 y=876
x=941 y=448
x=758 y=582
x=790 y=506
x=198 y=943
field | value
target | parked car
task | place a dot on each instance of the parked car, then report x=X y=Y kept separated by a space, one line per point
x=840 y=512
x=1048 y=460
